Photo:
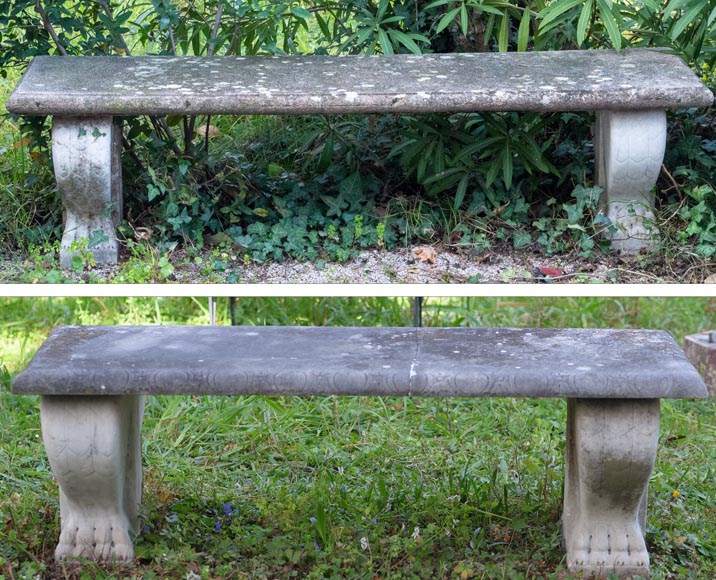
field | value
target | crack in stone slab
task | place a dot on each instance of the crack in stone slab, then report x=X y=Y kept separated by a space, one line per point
x=415 y=362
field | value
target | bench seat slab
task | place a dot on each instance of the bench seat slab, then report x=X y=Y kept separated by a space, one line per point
x=581 y=80
x=361 y=361
x=93 y=445
x=611 y=450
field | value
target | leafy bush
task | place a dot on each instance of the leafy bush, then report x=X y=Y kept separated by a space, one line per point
x=487 y=165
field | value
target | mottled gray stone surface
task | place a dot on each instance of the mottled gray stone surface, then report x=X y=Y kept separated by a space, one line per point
x=700 y=349
x=534 y=81
x=360 y=361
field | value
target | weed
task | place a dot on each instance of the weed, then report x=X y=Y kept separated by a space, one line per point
x=82 y=258
x=146 y=264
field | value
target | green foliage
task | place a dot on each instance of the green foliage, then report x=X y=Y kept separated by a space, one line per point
x=595 y=18
x=690 y=153
x=146 y=264
x=582 y=210
x=500 y=19
x=380 y=32
x=701 y=219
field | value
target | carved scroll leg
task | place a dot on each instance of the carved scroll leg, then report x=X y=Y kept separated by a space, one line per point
x=611 y=449
x=94 y=447
x=629 y=147
x=86 y=155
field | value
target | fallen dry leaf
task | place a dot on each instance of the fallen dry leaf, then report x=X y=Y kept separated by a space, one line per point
x=21 y=143
x=208 y=130
x=425 y=254
x=142 y=233
x=711 y=279
x=218 y=239
x=552 y=272
x=500 y=209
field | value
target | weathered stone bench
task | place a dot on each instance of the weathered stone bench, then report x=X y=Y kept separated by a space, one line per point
x=630 y=92
x=92 y=381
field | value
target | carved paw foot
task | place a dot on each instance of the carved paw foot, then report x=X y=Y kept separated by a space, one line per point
x=98 y=539
x=601 y=549
x=635 y=227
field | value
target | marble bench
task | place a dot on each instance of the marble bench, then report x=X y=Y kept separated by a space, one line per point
x=87 y=96
x=93 y=378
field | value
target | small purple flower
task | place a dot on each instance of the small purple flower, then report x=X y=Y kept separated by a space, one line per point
x=217 y=526
x=228 y=509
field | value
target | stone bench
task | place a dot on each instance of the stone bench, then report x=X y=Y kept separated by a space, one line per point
x=630 y=92
x=92 y=380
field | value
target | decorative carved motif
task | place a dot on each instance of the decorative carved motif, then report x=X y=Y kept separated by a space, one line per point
x=93 y=444
x=629 y=149
x=611 y=449
x=86 y=157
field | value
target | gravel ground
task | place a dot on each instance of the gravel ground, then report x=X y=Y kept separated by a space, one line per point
x=404 y=267
x=415 y=265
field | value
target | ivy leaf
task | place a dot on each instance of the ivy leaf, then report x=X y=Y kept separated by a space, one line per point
x=351 y=187
x=587 y=197
x=153 y=192
x=521 y=239
x=97 y=238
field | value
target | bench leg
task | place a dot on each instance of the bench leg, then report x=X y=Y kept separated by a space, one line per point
x=94 y=447
x=86 y=155
x=629 y=149
x=611 y=449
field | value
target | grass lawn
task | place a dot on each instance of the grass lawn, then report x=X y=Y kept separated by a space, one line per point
x=354 y=487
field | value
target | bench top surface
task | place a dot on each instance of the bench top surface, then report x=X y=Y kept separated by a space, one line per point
x=538 y=81
x=115 y=360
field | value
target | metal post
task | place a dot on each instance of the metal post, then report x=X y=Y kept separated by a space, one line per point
x=418 y=311
x=212 y=311
x=232 y=309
